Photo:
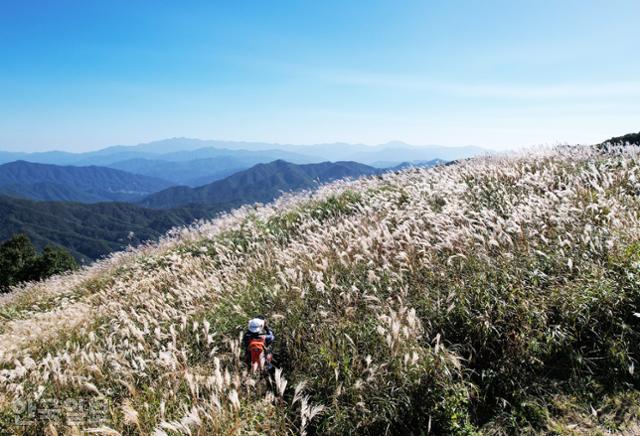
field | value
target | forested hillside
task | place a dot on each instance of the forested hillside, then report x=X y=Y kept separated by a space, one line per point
x=260 y=183
x=629 y=138
x=89 y=184
x=90 y=231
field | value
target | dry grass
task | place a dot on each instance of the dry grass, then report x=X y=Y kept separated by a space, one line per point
x=492 y=296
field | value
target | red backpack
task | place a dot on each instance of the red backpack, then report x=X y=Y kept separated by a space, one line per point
x=256 y=351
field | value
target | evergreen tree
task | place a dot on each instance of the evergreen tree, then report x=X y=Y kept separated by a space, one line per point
x=20 y=261
x=17 y=256
x=53 y=260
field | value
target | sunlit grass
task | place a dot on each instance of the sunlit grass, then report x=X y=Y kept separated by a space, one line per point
x=491 y=296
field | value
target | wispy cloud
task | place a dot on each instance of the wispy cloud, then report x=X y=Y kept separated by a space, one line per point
x=417 y=83
x=484 y=90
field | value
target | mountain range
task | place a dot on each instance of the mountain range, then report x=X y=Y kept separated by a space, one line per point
x=174 y=182
x=70 y=183
x=197 y=172
x=96 y=202
x=398 y=151
x=195 y=162
x=188 y=149
x=89 y=231
x=261 y=183
x=202 y=166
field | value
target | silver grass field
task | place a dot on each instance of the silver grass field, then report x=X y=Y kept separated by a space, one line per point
x=496 y=295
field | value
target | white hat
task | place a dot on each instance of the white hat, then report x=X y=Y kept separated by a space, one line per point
x=256 y=325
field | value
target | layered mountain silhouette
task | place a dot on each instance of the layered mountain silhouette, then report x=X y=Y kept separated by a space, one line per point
x=92 y=230
x=70 y=183
x=215 y=176
x=188 y=149
x=196 y=172
x=261 y=183
x=209 y=164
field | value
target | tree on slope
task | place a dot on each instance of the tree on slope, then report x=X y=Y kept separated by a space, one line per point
x=20 y=261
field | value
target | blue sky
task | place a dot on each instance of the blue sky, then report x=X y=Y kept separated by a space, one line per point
x=80 y=75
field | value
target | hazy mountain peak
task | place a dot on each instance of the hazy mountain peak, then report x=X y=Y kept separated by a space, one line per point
x=396 y=143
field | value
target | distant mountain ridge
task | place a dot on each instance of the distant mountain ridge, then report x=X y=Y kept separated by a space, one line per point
x=207 y=165
x=158 y=150
x=70 y=183
x=261 y=183
x=92 y=230
x=395 y=151
x=193 y=173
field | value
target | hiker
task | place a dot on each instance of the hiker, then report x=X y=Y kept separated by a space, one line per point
x=257 y=343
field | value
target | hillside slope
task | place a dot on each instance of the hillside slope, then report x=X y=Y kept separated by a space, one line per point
x=69 y=183
x=260 y=183
x=492 y=296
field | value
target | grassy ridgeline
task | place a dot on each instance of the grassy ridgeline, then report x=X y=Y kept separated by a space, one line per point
x=492 y=296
